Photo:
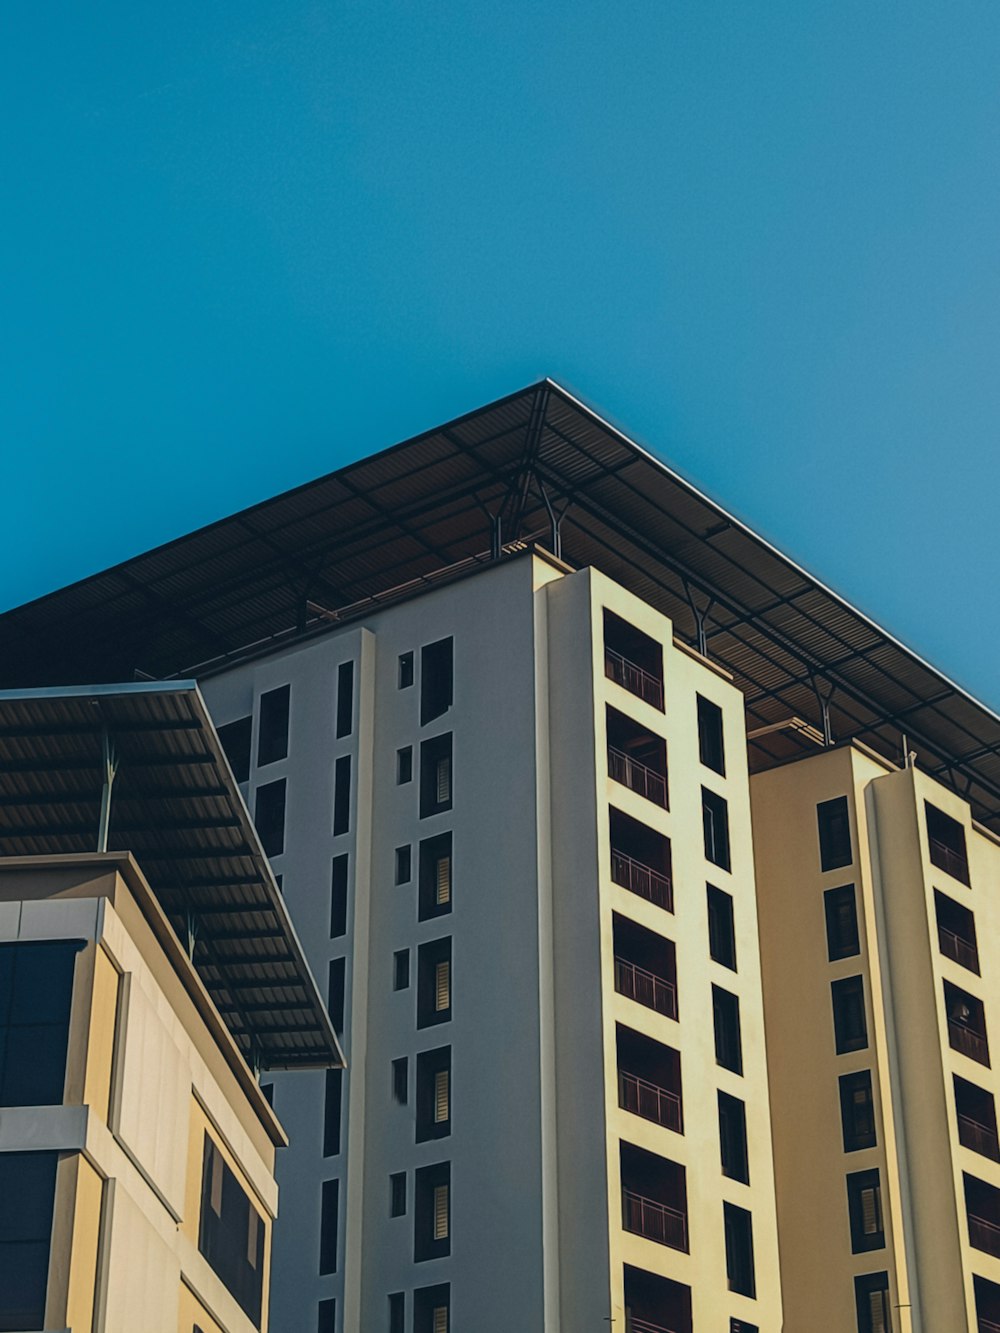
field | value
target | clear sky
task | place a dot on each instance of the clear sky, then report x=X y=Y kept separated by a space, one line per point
x=243 y=243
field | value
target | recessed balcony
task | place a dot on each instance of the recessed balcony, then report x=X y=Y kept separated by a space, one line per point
x=645 y=967
x=637 y=758
x=654 y=1304
x=956 y=932
x=654 y=1197
x=649 y=1079
x=633 y=660
x=966 y=1024
x=640 y=860
x=982 y=1205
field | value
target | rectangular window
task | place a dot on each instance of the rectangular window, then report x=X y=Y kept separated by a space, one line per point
x=27 y=1199
x=397 y=1194
x=342 y=795
x=397 y=1312
x=338 y=897
x=431 y=1307
x=235 y=740
x=269 y=816
x=841 y=910
x=36 y=989
x=434 y=1094
x=401 y=969
x=966 y=1023
x=864 y=1207
x=231 y=1233
x=434 y=983
x=711 y=749
x=977 y=1118
x=432 y=1212
x=327 y=1316
x=956 y=932
x=345 y=699
x=272 y=734
x=405 y=671
x=435 y=775
x=742 y=1326
x=728 y=1041
x=435 y=877
x=337 y=992
x=437 y=680
x=857 y=1110
x=849 y=1024
x=328 y=1226
x=871 y=1295
x=834 y=834
x=721 y=927
x=333 y=1098
x=739 y=1250
x=403 y=865
x=946 y=843
x=715 y=819
x=404 y=765
x=733 y=1138
x=401 y=1080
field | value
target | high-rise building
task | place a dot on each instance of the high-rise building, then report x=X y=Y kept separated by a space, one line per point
x=650 y=882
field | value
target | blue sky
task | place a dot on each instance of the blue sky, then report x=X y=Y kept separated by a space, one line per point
x=241 y=244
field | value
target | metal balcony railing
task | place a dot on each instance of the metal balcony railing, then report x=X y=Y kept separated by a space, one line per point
x=958 y=949
x=656 y=1221
x=987 y=1325
x=650 y=1101
x=980 y=1138
x=633 y=678
x=634 y=1325
x=637 y=776
x=642 y=880
x=635 y=983
x=967 y=1041
x=984 y=1235
x=946 y=858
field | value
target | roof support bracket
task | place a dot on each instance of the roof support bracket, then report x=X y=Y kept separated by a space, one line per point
x=823 y=698
x=110 y=756
x=700 y=614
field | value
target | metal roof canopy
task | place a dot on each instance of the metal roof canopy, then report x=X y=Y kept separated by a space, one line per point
x=535 y=463
x=176 y=807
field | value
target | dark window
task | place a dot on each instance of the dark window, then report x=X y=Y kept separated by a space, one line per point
x=279 y=883
x=739 y=1250
x=864 y=1208
x=231 y=1233
x=726 y=1017
x=434 y=1094
x=834 y=833
x=328 y=1226
x=956 y=932
x=741 y=1326
x=711 y=749
x=434 y=983
x=841 y=923
x=857 y=1110
x=401 y=969
x=733 y=1138
x=36 y=988
x=403 y=865
x=982 y=1208
x=715 y=820
x=267 y=1092
x=654 y=1302
x=345 y=698
x=435 y=877
x=849 y=1024
x=946 y=843
x=431 y=1309
x=270 y=817
x=338 y=897
x=338 y=967
x=435 y=775
x=721 y=927
x=432 y=1212
x=401 y=1080
x=966 y=1023
x=405 y=675
x=397 y=1312
x=272 y=735
x=342 y=795
x=333 y=1097
x=327 y=1316
x=404 y=765
x=397 y=1194
x=871 y=1295
x=437 y=680
x=27 y=1198
x=235 y=739
x=977 y=1118
x=987 y=1304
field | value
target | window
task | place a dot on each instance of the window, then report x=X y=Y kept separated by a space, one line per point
x=432 y=1212
x=633 y=660
x=405 y=671
x=401 y=969
x=336 y=993
x=231 y=1232
x=338 y=897
x=403 y=865
x=397 y=1194
x=431 y=1307
x=272 y=735
x=711 y=750
x=715 y=820
x=982 y=1208
x=966 y=1023
x=345 y=699
x=849 y=1024
x=434 y=1094
x=404 y=765
x=36 y=987
x=437 y=680
x=637 y=757
x=726 y=1017
x=841 y=923
x=864 y=1208
x=857 y=1110
x=327 y=1320
x=397 y=1312
x=333 y=1097
x=435 y=775
x=721 y=927
x=741 y=1326
x=834 y=833
x=871 y=1295
x=342 y=795
x=328 y=1226
x=435 y=877
x=956 y=932
x=27 y=1198
x=401 y=1080
x=645 y=966
x=434 y=983
x=649 y=1079
x=267 y=1092
x=270 y=817
x=235 y=740
x=946 y=843
x=733 y=1138
x=977 y=1118
x=739 y=1250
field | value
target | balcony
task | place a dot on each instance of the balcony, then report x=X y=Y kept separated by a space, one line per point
x=633 y=660
x=630 y=676
x=978 y=1137
x=642 y=880
x=966 y=1024
x=958 y=950
x=637 y=758
x=635 y=1325
x=968 y=1042
x=976 y=1113
x=649 y=1079
x=636 y=983
x=982 y=1206
x=984 y=1235
x=987 y=1305
x=650 y=1101
x=956 y=932
x=946 y=843
x=655 y=1221
x=637 y=776
x=655 y=1304
x=654 y=1197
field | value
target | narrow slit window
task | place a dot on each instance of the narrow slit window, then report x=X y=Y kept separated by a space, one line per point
x=345 y=699
x=272 y=735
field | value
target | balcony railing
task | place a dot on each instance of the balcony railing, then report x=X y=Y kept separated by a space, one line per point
x=958 y=949
x=650 y=1101
x=635 y=983
x=987 y=1325
x=633 y=678
x=642 y=880
x=638 y=776
x=634 y=1325
x=656 y=1221
x=984 y=1235
x=945 y=858
x=967 y=1041
x=980 y=1138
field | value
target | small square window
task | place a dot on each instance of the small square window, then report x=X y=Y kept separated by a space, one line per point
x=405 y=670
x=401 y=969
x=403 y=865
x=404 y=765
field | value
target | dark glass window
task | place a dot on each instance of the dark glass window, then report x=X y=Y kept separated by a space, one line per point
x=742 y=1326
x=401 y=969
x=857 y=1110
x=397 y=1312
x=333 y=1098
x=432 y=1309
x=327 y=1320
x=405 y=675
x=871 y=1295
x=977 y=1118
x=435 y=877
x=435 y=775
x=404 y=765
x=231 y=1233
x=849 y=1024
x=946 y=843
x=272 y=735
x=397 y=1194
x=739 y=1250
x=721 y=927
x=328 y=1226
x=342 y=795
x=864 y=1207
x=715 y=819
x=27 y=1199
x=728 y=1042
x=437 y=680
x=434 y=1094
x=432 y=1212
x=403 y=865
x=841 y=909
x=270 y=817
x=235 y=739
x=345 y=699
x=338 y=897
x=711 y=749
x=36 y=989
x=337 y=991
x=834 y=833
x=733 y=1138
x=401 y=1080
x=434 y=983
